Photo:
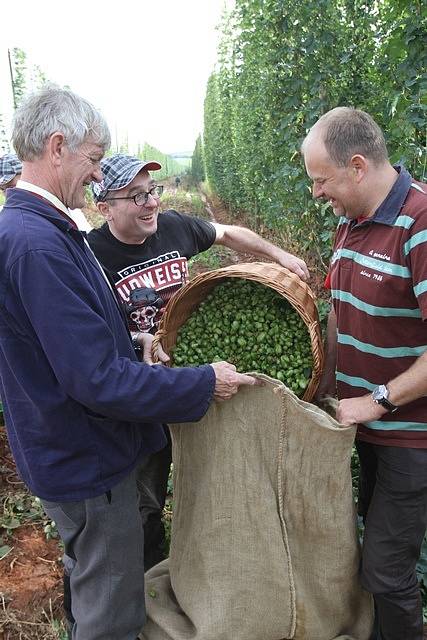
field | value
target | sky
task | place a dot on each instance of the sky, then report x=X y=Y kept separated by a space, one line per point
x=145 y=65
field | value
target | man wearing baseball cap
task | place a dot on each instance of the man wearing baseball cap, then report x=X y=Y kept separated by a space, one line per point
x=10 y=171
x=143 y=250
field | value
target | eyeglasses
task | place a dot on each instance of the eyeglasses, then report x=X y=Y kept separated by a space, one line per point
x=142 y=198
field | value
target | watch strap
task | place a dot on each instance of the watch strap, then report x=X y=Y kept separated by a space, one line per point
x=387 y=405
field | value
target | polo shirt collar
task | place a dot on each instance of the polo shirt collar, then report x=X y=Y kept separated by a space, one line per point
x=390 y=207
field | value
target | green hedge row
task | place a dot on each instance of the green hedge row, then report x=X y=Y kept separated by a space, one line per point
x=282 y=64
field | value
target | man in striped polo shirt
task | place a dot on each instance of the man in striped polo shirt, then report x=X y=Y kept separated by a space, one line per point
x=377 y=348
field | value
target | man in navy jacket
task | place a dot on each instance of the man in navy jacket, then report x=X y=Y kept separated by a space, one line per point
x=80 y=410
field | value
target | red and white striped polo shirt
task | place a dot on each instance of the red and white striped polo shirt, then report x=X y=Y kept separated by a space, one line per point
x=378 y=279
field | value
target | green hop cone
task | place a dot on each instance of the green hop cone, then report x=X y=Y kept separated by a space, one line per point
x=251 y=326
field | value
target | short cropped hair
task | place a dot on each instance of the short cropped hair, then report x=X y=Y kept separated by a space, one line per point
x=346 y=131
x=54 y=109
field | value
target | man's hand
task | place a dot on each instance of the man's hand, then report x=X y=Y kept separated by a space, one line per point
x=145 y=341
x=228 y=380
x=358 y=410
x=297 y=265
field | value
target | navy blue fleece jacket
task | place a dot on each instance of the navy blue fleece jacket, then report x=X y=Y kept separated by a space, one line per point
x=80 y=410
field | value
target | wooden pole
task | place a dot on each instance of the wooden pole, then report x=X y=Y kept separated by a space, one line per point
x=11 y=79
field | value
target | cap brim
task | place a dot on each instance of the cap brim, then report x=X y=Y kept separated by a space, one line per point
x=152 y=166
x=129 y=175
x=7 y=180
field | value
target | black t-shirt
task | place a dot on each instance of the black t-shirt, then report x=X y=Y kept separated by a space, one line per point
x=159 y=263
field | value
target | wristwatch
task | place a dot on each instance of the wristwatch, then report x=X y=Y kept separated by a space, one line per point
x=380 y=396
x=135 y=342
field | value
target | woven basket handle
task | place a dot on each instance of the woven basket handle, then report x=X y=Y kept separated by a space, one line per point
x=154 y=346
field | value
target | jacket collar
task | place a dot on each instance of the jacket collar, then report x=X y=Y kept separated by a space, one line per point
x=18 y=198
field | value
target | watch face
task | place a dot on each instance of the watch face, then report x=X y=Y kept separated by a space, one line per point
x=380 y=392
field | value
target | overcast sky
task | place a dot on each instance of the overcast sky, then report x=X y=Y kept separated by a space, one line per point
x=144 y=64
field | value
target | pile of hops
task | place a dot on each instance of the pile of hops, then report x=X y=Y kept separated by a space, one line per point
x=251 y=326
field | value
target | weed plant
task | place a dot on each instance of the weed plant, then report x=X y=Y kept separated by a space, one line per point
x=189 y=202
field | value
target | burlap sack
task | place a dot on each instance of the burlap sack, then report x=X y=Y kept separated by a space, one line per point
x=264 y=543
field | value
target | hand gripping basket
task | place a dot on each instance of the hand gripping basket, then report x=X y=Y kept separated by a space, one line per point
x=272 y=275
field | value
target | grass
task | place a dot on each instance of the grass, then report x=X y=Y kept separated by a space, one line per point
x=21 y=508
x=184 y=201
x=214 y=258
x=43 y=626
x=93 y=216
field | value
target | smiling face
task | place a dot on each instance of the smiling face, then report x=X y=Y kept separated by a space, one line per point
x=79 y=169
x=337 y=185
x=129 y=222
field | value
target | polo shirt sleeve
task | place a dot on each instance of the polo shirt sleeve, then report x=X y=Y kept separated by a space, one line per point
x=415 y=253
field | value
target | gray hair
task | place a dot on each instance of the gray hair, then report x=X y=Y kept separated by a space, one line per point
x=346 y=131
x=54 y=109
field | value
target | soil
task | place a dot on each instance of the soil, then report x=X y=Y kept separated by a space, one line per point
x=31 y=572
x=218 y=212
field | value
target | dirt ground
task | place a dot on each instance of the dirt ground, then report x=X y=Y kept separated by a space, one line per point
x=219 y=213
x=31 y=571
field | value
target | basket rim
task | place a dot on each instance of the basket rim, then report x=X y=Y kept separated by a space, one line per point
x=249 y=271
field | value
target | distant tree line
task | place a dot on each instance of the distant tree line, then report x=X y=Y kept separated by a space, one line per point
x=197 y=169
x=170 y=167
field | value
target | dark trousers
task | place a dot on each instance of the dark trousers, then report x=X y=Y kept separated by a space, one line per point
x=393 y=503
x=152 y=482
x=103 y=558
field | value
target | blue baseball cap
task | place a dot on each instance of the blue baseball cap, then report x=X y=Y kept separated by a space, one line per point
x=118 y=171
x=10 y=166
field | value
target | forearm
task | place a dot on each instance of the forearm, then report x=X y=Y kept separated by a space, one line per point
x=245 y=240
x=411 y=384
x=86 y=365
x=407 y=387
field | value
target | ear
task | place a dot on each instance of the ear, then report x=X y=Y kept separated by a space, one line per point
x=105 y=210
x=55 y=148
x=359 y=167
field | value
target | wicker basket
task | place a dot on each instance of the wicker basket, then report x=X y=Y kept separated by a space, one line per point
x=289 y=285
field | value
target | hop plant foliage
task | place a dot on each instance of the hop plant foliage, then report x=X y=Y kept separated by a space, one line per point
x=281 y=65
x=252 y=327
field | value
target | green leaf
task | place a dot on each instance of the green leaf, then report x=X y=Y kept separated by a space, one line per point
x=4 y=550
